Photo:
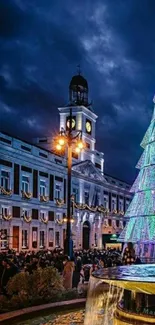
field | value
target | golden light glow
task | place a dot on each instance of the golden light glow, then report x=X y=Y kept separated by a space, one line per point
x=61 y=141
x=77 y=150
x=58 y=147
x=65 y=219
x=72 y=220
x=80 y=144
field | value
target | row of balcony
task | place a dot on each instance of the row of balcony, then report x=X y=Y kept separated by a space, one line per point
x=28 y=218
x=26 y=195
x=60 y=202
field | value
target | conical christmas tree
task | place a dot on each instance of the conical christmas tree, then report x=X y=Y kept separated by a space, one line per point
x=140 y=228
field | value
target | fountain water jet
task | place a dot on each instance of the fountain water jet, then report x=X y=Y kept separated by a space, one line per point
x=122 y=296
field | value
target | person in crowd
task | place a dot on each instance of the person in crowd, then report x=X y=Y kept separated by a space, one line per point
x=30 y=268
x=138 y=260
x=68 y=273
x=76 y=272
x=8 y=271
x=101 y=263
x=11 y=262
x=94 y=268
x=129 y=255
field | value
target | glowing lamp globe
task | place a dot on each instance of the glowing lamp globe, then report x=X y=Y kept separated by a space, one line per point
x=80 y=145
x=58 y=147
x=77 y=150
x=65 y=219
x=61 y=141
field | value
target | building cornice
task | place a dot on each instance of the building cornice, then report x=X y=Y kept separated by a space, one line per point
x=78 y=109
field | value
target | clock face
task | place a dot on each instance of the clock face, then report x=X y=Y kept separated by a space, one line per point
x=88 y=127
x=73 y=123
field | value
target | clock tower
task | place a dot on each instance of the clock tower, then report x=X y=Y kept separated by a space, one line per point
x=83 y=119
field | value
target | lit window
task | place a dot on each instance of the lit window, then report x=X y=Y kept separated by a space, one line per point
x=5 y=180
x=34 y=237
x=57 y=239
x=3 y=238
x=25 y=184
x=51 y=237
x=24 y=239
x=42 y=238
x=109 y=222
x=43 y=215
x=5 y=211
x=42 y=188
x=58 y=191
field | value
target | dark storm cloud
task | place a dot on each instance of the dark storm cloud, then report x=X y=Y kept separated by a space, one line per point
x=42 y=42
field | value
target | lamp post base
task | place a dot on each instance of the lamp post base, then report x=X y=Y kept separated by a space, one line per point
x=68 y=247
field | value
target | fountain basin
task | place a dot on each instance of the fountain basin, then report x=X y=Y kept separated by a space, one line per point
x=122 y=296
x=122 y=317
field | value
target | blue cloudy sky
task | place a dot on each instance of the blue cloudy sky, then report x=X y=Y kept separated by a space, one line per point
x=41 y=43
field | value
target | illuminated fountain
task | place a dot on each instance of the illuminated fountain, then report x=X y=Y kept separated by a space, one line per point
x=122 y=296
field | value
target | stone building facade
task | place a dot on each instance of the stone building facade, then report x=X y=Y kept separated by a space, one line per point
x=33 y=187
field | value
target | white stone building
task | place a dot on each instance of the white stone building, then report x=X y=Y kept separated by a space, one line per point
x=33 y=181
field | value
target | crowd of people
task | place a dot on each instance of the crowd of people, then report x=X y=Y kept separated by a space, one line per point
x=73 y=271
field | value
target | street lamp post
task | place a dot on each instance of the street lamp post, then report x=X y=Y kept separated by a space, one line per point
x=66 y=137
x=68 y=243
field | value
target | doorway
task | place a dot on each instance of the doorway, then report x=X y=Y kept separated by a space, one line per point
x=86 y=234
x=15 y=238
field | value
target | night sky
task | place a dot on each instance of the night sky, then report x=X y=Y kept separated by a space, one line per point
x=42 y=42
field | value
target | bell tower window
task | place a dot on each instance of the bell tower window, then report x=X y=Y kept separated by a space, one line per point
x=78 y=91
